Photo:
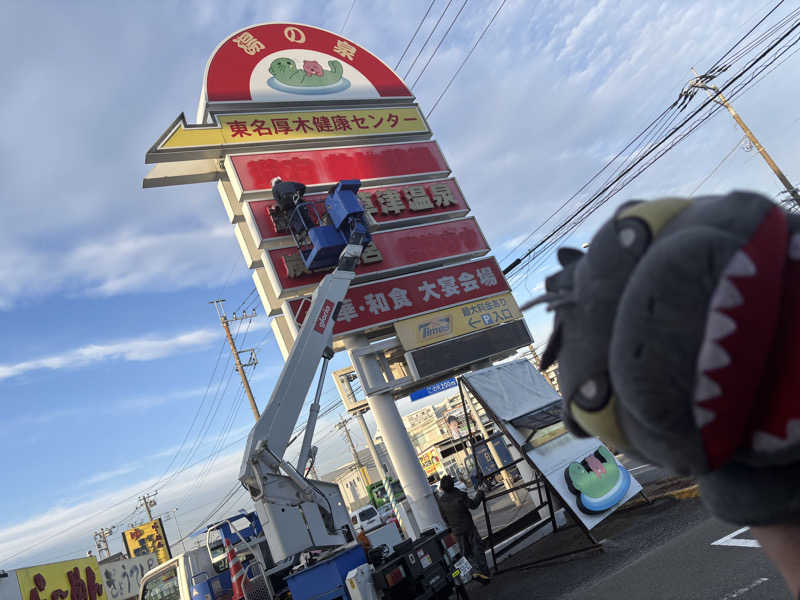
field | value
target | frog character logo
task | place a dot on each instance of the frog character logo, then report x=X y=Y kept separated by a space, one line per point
x=598 y=481
x=311 y=79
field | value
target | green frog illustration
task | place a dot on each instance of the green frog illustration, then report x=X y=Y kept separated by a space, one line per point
x=311 y=75
x=598 y=481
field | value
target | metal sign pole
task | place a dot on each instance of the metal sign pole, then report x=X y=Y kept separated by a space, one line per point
x=404 y=457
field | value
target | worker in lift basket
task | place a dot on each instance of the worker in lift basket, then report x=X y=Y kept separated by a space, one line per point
x=455 y=506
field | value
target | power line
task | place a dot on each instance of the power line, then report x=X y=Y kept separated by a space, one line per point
x=439 y=45
x=347 y=18
x=427 y=39
x=654 y=151
x=466 y=58
x=416 y=31
x=715 y=169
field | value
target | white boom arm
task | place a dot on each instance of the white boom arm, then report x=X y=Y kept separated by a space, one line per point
x=295 y=513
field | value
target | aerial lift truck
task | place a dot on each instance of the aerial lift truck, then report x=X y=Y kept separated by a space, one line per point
x=305 y=541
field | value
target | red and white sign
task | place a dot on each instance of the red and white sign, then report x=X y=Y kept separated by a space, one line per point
x=371 y=305
x=324 y=316
x=252 y=174
x=387 y=206
x=289 y=62
x=402 y=250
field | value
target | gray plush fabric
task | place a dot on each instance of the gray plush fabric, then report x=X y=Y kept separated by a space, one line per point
x=637 y=318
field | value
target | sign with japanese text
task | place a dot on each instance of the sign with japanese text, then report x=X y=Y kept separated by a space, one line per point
x=457 y=320
x=288 y=62
x=146 y=539
x=381 y=303
x=393 y=252
x=430 y=461
x=232 y=132
x=122 y=577
x=76 y=579
x=387 y=207
x=252 y=174
x=434 y=388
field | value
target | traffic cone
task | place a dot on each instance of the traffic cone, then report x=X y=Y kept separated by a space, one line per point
x=237 y=571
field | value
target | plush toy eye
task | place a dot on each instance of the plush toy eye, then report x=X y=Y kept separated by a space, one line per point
x=593 y=394
x=633 y=235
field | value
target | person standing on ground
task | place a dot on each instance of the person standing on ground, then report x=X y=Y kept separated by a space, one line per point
x=455 y=506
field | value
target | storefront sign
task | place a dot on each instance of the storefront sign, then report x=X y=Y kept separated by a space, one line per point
x=398 y=251
x=430 y=461
x=376 y=304
x=287 y=62
x=387 y=207
x=146 y=539
x=252 y=174
x=122 y=577
x=235 y=132
x=457 y=320
x=76 y=579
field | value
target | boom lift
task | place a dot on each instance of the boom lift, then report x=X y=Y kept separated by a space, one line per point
x=299 y=514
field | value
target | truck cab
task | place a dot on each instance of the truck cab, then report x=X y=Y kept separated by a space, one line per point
x=203 y=573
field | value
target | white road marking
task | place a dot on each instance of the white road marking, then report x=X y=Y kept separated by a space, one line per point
x=731 y=540
x=640 y=467
x=744 y=590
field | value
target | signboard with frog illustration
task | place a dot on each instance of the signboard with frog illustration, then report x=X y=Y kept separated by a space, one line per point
x=291 y=63
x=583 y=472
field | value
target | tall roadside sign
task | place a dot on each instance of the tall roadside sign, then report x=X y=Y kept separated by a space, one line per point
x=304 y=104
x=300 y=103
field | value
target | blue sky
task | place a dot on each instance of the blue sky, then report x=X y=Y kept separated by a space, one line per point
x=110 y=344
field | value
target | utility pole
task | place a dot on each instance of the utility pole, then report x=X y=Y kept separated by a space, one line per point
x=147 y=501
x=218 y=304
x=174 y=515
x=716 y=95
x=101 y=541
x=342 y=426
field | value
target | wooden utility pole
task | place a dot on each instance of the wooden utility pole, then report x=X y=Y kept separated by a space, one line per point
x=716 y=95
x=342 y=425
x=147 y=501
x=218 y=304
x=101 y=541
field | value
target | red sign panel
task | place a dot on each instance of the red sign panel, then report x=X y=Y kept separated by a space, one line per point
x=322 y=168
x=371 y=305
x=324 y=315
x=286 y=61
x=388 y=206
x=402 y=250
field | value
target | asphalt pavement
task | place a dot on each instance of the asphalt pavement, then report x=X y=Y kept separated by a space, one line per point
x=670 y=549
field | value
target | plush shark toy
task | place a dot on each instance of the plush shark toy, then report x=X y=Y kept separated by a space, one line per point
x=678 y=338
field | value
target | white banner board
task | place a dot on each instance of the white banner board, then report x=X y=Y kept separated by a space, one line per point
x=121 y=578
x=582 y=471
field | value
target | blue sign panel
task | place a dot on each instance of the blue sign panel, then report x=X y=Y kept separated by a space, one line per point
x=434 y=388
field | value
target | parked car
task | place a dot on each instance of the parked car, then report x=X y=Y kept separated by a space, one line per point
x=386 y=512
x=365 y=518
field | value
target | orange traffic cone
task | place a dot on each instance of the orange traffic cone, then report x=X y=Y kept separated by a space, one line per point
x=237 y=571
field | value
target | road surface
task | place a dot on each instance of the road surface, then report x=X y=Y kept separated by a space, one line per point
x=669 y=550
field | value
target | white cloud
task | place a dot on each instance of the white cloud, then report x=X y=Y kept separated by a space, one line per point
x=66 y=528
x=134 y=349
x=111 y=474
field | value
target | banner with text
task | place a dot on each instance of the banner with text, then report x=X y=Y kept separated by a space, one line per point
x=376 y=304
x=457 y=320
x=75 y=579
x=387 y=207
x=391 y=253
